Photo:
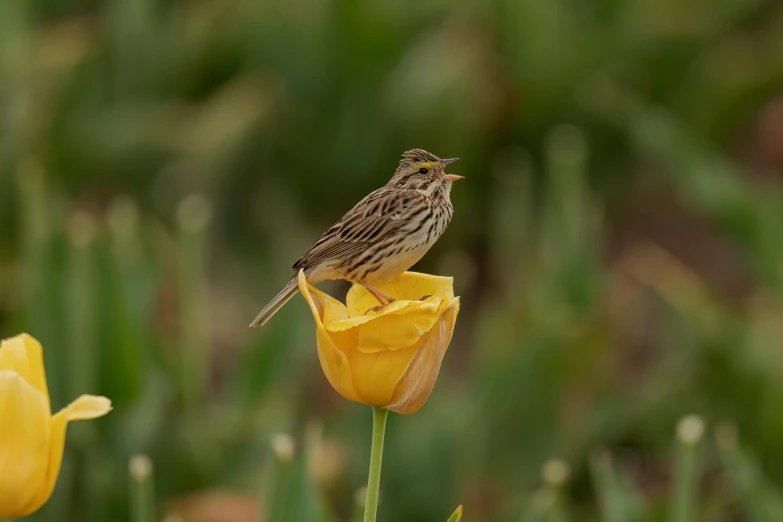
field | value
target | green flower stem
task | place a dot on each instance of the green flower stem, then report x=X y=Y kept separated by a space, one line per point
x=142 y=489
x=690 y=431
x=194 y=215
x=379 y=416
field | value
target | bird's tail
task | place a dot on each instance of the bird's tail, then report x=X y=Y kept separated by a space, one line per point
x=277 y=303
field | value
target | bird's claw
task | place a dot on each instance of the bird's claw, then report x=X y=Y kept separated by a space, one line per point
x=375 y=309
x=382 y=306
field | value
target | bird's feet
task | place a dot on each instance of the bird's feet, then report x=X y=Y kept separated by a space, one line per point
x=382 y=306
x=383 y=298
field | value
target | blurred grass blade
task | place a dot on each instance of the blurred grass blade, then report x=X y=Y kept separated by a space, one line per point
x=359 y=502
x=43 y=315
x=556 y=475
x=82 y=230
x=566 y=191
x=513 y=203
x=550 y=503
x=132 y=25
x=690 y=431
x=760 y=500
x=35 y=230
x=282 y=451
x=290 y=493
x=142 y=489
x=193 y=217
x=456 y=516
x=127 y=293
x=617 y=499
x=81 y=348
x=15 y=34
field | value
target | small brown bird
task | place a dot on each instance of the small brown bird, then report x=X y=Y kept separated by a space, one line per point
x=384 y=235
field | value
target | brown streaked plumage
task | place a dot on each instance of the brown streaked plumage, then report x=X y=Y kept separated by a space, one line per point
x=384 y=235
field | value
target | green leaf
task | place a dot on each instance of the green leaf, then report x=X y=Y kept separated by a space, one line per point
x=456 y=516
x=618 y=500
x=290 y=492
x=760 y=501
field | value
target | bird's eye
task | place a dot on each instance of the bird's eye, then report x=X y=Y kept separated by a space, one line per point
x=423 y=170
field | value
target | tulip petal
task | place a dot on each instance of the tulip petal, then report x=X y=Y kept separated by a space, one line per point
x=85 y=407
x=339 y=325
x=418 y=381
x=54 y=454
x=409 y=286
x=398 y=325
x=375 y=375
x=23 y=354
x=397 y=307
x=24 y=443
x=334 y=361
x=390 y=332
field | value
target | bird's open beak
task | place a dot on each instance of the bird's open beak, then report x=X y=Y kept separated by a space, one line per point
x=449 y=177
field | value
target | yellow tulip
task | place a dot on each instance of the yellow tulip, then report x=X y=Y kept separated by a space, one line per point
x=31 y=439
x=390 y=357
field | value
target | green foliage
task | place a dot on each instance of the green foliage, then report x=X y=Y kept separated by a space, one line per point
x=617 y=244
x=456 y=516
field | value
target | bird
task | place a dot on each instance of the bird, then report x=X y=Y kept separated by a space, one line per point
x=384 y=235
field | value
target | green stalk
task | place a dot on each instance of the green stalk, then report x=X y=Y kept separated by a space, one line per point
x=82 y=231
x=556 y=474
x=690 y=431
x=566 y=194
x=142 y=489
x=617 y=498
x=194 y=216
x=276 y=478
x=41 y=318
x=685 y=485
x=379 y=416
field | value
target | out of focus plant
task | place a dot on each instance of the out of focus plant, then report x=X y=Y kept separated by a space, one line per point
x=623 y=269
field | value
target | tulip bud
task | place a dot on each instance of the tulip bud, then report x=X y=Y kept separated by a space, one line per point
x=391 y=357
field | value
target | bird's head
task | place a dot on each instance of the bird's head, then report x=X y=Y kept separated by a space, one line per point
x=420 y=170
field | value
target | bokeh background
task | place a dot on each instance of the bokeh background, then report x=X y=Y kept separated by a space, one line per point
x=617 y=243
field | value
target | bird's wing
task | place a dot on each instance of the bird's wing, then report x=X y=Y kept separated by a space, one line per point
x=373 y=218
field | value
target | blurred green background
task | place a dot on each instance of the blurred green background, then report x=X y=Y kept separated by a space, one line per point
x=618 y=246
